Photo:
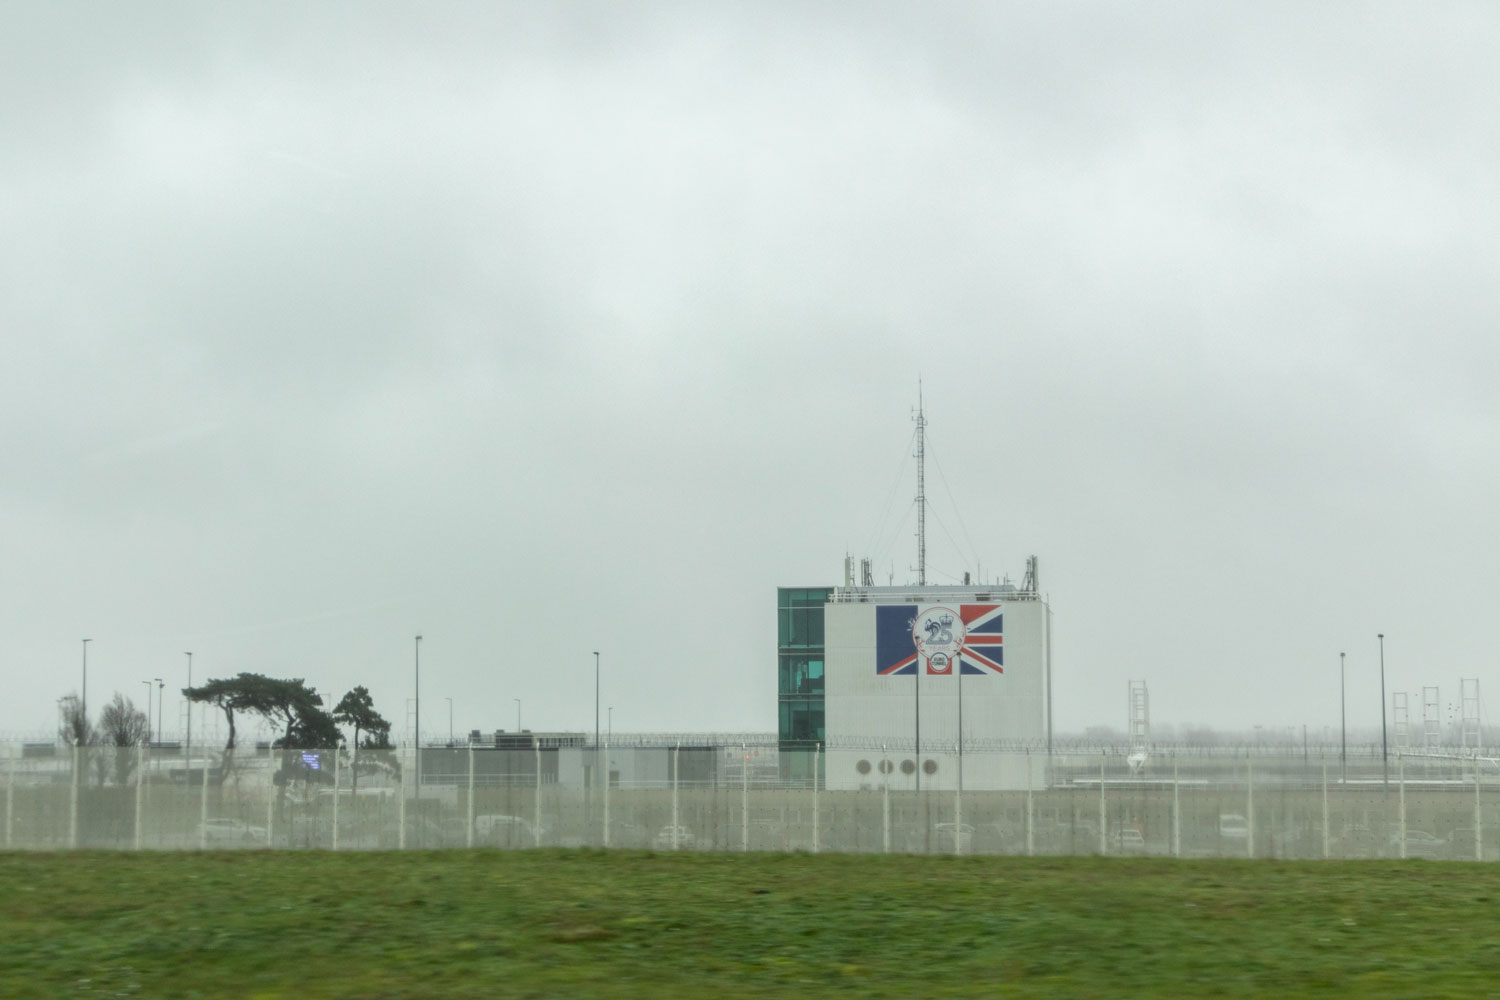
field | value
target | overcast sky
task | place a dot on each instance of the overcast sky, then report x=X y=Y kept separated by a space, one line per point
x=544 y=328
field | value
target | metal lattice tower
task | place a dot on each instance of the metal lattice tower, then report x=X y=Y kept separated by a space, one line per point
x=921 y=490
x=1401 y=719
x=1432 y=719
x=1140 y=716
x=1469 y=735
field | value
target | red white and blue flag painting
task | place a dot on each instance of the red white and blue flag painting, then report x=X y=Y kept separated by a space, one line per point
x=939 y=639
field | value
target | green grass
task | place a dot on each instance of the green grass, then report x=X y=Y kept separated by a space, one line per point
x=596 y=924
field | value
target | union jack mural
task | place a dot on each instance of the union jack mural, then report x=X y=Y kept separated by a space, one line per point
x=940 y=639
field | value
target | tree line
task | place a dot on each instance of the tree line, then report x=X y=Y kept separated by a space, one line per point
x=288 y=705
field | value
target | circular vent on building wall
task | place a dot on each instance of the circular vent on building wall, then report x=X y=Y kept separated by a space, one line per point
x=863 y=767
x=929 y=766
x=907 y=767
x=886 y=767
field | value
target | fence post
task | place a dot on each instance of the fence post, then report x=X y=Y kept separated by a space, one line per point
x=1478 y=819
x=73 y=803
x=335 y=798
x=744 y=797
x=536 y=827
x=1326 y=851
x=1030 y=816
x=676 y=767
x=1103 y=816
x=10 y=793
x=140 y=781
x=401 y=803
x=469 y=831
x=1249 y=805
x=606 y=791
x=815 y=801
x=1176 y=810
x=1401 y=800
x=203 y=808
x=885 y=805
x=958 y=806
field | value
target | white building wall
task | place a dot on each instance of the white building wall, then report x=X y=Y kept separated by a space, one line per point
x=865 y=710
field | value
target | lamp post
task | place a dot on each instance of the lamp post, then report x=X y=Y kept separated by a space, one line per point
x=1343 y=724
x=596 y=697
x=1385 y=764
x=83 y=700
x=148 y=712
x=161 y=690
x=611 y=718
x=187 y=749
x=416 y=729
x=518 y=713
x=450 y=720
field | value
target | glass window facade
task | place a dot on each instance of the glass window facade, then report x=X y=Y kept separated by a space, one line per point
x=799 y=675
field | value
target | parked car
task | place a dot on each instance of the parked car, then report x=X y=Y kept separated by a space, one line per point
x=942 y=837
x=674 y=837
x=225 y=832
x=1233 y=826
x=1130 y=841
x=1420 y=844
x=498 y=830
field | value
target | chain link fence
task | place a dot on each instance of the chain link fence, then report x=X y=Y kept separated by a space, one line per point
x=756 y=797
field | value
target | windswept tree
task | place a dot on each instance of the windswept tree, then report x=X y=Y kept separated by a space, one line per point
x=123 y=726
x=228 y=695
x=289 y=705
x=357 y=709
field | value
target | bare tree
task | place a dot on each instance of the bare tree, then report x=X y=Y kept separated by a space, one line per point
x=78 y=733
x=123 y=726
x=73 y=726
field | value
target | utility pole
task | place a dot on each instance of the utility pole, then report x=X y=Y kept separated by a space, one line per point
x=1344 y=727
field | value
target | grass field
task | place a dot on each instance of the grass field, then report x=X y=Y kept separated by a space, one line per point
x=595 y=924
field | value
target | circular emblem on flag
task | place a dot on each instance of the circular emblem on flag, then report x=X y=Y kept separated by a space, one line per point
x=938 y=633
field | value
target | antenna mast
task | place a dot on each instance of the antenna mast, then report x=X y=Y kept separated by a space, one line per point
x=921 y=490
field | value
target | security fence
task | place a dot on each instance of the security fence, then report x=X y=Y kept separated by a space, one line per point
x=756 y=797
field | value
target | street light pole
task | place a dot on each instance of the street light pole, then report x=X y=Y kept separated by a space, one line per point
x=161 y=691
x=148 y=712
x=596 y=697
x=1343 y=727
x=1385 y=764
x=450 y=720
x=611 y=719
x=83 y=700
x=416 y=734
x=187 y=750
x=518 y=713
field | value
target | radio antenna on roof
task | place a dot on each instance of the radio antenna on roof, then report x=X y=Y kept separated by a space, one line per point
x=921 y=490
